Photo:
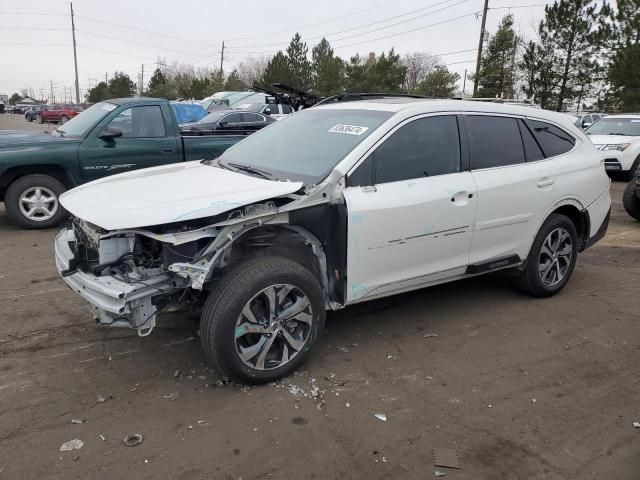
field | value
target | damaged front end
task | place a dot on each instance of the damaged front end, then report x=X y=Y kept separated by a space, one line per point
x=128 y=276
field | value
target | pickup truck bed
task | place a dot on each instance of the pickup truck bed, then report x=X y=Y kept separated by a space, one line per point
x=111 y=137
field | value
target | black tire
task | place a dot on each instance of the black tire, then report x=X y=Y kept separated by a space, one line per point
x=21 y=185
x=64 y=119
x=39 y=118
x=226 y=301
x=631 y=174
x=530 y=280
x=631 y=201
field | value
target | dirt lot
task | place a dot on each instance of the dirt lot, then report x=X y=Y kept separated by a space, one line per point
x=520 y=388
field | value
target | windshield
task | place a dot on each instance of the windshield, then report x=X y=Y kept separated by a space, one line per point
x=251 y=107
x=305 y=146
x=615 y=126
x=212 y=117
x=81 y=123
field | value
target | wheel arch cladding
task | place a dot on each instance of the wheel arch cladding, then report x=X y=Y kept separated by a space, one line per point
x=580 y=220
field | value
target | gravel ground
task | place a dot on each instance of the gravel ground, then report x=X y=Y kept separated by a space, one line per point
x=520 y=388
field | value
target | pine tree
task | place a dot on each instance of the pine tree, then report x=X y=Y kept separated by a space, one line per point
x=386 y=74
x=160 y=86
x=98 y=93
x=496 y=75
x=624 y=68
x=121 y=86
x=277 y=71
x=576 y=32
x=233 y=82
x=299 y=65
x=439 y=83
x=328 y=70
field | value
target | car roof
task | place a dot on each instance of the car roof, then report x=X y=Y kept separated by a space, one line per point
x=123 y=101
x=625 y=115
x=419 y=106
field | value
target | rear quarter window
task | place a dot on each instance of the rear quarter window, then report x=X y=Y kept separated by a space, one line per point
x=553 y=140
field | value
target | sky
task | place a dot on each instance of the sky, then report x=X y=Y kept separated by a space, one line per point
x=36 y=38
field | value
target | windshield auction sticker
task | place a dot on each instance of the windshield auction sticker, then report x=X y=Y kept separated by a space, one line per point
x=348 y=129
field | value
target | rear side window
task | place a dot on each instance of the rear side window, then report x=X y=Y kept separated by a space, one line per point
x=423 y=148
x=286 y=109
x=494 y=141
x=532 y=150
x=553 y=140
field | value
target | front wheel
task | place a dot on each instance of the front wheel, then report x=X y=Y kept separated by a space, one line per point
x=64 y=119
x=552 y=258
x=39 y=118
x=261 y=320
x=33 y=202
x=630 y=200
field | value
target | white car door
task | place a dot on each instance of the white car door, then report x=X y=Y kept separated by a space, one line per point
x=516 y=185
x=411 y=208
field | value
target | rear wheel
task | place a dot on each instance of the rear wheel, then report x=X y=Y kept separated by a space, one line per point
x=33 y=202
x=262 y=319
x=631 y=201
x=64 y=119
x=552 y=258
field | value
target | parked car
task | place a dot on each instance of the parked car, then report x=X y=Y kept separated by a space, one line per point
x=18 y=109
x=330 y=207
x=30 y=114
x=631 y=197
x=274 y=110
x=110 y=137
x=226 y=122
x=588 y=119
x=618 y=139
x=57 y=113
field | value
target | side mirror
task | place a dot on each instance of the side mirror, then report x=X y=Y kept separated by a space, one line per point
x=110 y=133
x=586 y=124
x=267 y=111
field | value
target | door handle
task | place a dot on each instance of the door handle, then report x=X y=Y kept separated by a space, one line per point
x=461 y=198
x=168 y=150
x=546 y=182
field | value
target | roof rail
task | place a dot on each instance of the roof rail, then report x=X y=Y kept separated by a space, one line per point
x=353 y=97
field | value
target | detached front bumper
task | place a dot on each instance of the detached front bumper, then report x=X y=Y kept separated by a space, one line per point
x=112 y=301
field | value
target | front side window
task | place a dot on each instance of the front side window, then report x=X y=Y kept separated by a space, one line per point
x=553 y=140
x=494 y=141
x=140 y=122
x=423 y=148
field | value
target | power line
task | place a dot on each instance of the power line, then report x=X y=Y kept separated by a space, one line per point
x=341 y=17
x=149 y=32
x=33 y=45
x=131 y=42
x=116 y=53
x=39 y=29
x=34 y=14
x=407 y=31
x=369 y=24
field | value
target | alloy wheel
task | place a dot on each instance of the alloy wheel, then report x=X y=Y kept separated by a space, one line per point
x=555 y=257
x=273 y=327
x=38 y=204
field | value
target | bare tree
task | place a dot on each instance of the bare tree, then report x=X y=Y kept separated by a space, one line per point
x=251 y=70
x=419 y=65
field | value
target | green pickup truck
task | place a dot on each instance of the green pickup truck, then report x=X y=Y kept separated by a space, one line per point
x=111 y=137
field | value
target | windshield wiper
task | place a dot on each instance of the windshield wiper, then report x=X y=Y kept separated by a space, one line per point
x=250 y=169
x=618 y=133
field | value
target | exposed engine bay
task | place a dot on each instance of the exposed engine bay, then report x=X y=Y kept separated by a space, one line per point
x=128 y=276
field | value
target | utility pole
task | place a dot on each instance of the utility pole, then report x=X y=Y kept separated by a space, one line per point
x=105 y=78
x=75 y=55
x=51 y=97
x=142 y=81
x=222 y=56
x=484 y=21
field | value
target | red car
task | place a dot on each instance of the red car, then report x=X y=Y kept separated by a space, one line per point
x=57 y=113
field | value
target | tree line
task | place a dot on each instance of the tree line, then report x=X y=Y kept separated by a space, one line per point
x=584 y=49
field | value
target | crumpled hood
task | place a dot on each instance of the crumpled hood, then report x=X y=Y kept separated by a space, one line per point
x=20 y=138
x=166 y=194
x=610 y=139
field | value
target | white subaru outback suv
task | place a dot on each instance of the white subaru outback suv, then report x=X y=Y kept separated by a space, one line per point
x=329 y=207
x=618 y=138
